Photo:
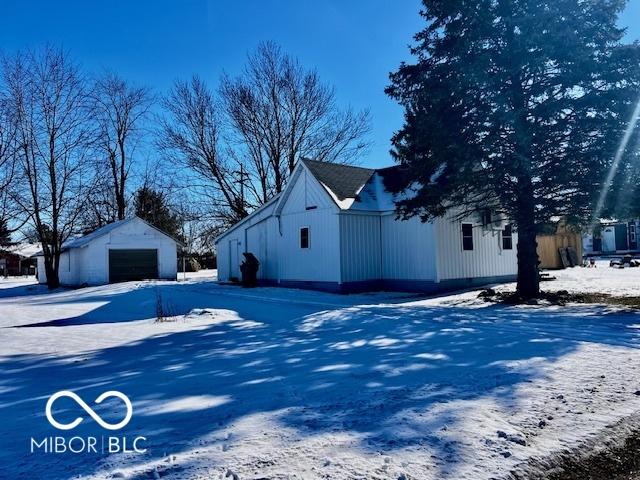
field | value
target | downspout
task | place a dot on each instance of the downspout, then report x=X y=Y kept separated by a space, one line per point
x=340 y=248
x=380 y=254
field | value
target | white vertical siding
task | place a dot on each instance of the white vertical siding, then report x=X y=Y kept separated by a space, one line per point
x=487 y=259
x=229 y=255
x=307 y=194
x=262 y=242
x=276 y=240
x=245 y=237
x=68 y=269
x=360 y=255
x=321 y=261
x=308 y=205
x=408 y=249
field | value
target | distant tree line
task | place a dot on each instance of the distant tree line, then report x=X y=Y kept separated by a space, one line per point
x=79 y=151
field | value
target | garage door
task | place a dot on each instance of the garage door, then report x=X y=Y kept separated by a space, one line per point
x=132 y=264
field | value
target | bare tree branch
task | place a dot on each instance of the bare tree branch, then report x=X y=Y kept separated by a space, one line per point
x=119 y=109
x=49 y=102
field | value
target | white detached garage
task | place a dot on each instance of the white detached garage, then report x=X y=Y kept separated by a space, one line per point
x=129 y=249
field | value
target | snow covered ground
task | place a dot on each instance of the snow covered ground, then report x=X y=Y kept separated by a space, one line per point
x=622 y=282
x=602 y=279
x=279 y=383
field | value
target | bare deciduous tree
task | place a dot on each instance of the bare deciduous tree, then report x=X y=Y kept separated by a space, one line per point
x=48 y=100
x=190 y=133
x=244 y=142
x=7 y=160
x=7 y=143
x=279 y=112
x=119 y=110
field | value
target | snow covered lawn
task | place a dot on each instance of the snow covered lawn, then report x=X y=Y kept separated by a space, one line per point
x=277 y=383
x=619 y=282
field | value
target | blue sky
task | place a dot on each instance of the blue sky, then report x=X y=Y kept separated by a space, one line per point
x=353 y=44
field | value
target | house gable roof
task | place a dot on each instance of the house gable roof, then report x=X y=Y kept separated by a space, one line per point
x=342 y=181
x=349 y=187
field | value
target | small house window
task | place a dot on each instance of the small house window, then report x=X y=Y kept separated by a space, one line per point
x=304 y=237
x=467 y=236
x=507 y=238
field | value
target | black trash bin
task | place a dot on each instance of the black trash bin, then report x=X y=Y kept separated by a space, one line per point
x=249 y=269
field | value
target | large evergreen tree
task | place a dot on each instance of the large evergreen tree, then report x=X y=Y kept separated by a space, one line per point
x=517 y=105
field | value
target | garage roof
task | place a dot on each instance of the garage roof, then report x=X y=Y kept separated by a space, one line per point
x=79 y=242
x=86 y=239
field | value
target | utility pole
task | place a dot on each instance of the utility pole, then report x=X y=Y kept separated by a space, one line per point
x=243 y=175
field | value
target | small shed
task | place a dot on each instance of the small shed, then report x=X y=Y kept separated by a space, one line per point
x=612 y=237
x=129 y=249
x=560 y=236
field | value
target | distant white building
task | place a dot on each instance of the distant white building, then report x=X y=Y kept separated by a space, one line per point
x=129 y=249
x=612 y=237
x=334 y=228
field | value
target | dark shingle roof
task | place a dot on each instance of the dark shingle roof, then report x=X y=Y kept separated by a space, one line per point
x=345 y=181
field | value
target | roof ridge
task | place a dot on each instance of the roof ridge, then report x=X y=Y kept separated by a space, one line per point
x=345 y=165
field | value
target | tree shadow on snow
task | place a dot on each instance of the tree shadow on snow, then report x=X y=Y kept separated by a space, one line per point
x=381 y=371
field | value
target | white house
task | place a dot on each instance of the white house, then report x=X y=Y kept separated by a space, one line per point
x=129 y=249
x=334 y=228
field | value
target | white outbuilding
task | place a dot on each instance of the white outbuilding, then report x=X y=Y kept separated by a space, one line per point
x=129 y=249
x=334 y=228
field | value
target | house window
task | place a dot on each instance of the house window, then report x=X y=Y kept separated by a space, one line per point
x=632 y=232
x=467 y=236
x=507 y=238
x=304 y=237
